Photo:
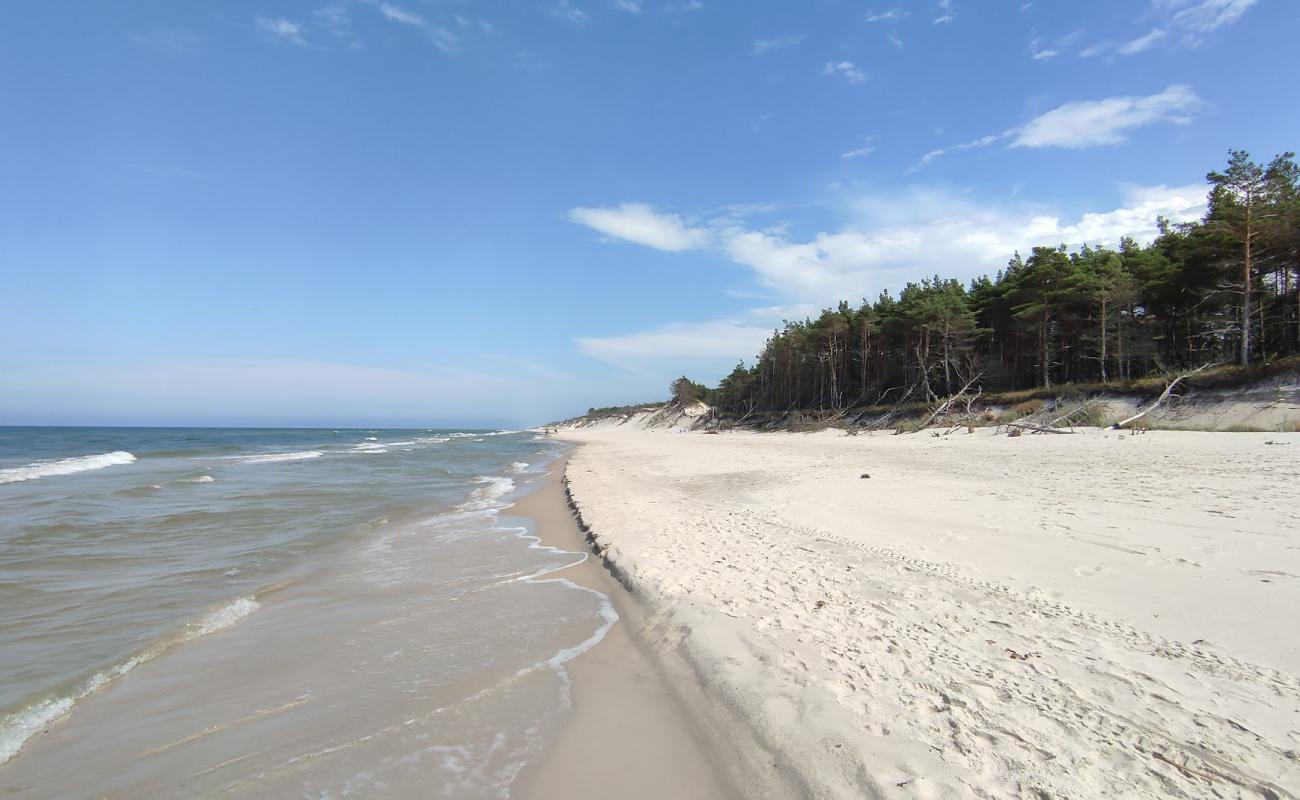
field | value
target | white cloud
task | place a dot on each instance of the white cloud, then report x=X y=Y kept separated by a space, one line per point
x=1039 y=50
x=924 y=232
x=846 y=70
x=1088 y=123
x=889 y=15
x=983 y=141
x=867 y=148
x=630 y=6
x=400 y=15
x=1142 y=42
x=894 y=40
x=281 y=29
x=1197 y=18
x=1182 y=22
x=945 y=13
x=717 y=339
x=764 y=46
x=895 y=237
x=1103 y=122
x=640 y=223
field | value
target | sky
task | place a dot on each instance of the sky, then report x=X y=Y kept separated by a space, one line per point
x=442 y=212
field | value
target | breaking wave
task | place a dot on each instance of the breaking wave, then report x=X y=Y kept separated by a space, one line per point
x=65 y=466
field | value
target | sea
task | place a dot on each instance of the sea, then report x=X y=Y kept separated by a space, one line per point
x=316 y=613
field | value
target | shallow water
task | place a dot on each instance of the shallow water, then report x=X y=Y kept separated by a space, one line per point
x=260 y=612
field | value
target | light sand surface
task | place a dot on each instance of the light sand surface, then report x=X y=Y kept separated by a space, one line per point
x=629 y=735
x=1091 y=615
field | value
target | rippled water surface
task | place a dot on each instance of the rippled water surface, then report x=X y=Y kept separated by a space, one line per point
x=253 y=611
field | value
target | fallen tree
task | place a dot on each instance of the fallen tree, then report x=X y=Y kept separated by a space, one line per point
x=1124 y=423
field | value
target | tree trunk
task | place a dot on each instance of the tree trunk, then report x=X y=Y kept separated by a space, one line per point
x=1046 y=365
x=1104 y=377
x=1245 y=295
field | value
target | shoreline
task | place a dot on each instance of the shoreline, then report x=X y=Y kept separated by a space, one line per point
x=1093 y=615
x=628 y=734
x=428 y=657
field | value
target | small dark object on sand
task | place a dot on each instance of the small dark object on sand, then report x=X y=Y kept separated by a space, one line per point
x=864 y=475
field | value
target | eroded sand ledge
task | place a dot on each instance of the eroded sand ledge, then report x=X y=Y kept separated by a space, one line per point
x=1098 y=615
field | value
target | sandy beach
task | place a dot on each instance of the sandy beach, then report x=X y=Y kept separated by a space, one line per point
x=1096 y=615
x=626 y=723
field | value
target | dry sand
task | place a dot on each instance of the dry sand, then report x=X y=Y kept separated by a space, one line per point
x=1097 y=615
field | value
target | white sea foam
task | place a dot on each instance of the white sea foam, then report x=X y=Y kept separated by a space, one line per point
x=519 y=466
x=488 y=497
x=267 y=458
x=223 y=617
x=369 y=447
x=17 y=728
x=198 y=479
x=65 y=466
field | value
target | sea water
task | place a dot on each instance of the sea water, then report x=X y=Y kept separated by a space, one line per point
x=315 y=613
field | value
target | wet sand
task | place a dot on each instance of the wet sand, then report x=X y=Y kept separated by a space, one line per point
x=629 y=734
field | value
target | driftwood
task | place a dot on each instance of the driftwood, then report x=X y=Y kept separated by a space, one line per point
x=1124 y=423
x=1068 y=417
x=1024 y=426
x=947 y=404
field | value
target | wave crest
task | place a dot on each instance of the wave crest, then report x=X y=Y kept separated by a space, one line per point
x=268 y=458
x=65 y=466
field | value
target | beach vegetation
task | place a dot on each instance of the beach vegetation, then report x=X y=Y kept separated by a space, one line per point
x=1056 y=323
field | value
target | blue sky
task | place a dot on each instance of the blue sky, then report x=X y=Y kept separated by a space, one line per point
x=498 y=213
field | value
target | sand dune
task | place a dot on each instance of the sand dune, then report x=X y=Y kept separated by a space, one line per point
x=1099 y=615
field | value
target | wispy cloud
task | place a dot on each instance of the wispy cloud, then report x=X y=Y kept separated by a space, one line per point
x=566 y=10
x=945 y=13
x=1089 y=123
x=894 y=40
x=401 y=15
x=1185 y=23
x=763 y=46
x=868 y=147
x=1198 y=18
x=630 y=6
x=1142 y=42
x=846 y=70
x=888 y=15
x=336 y=20
x=642 y=224
x=983 y=141
x=442 y=38
x=280 y=29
